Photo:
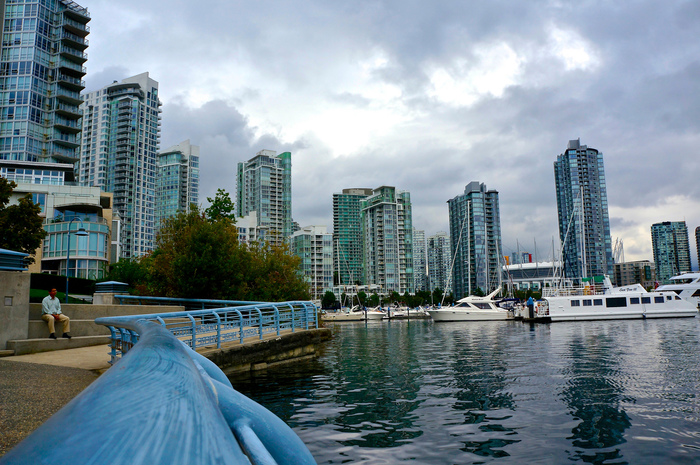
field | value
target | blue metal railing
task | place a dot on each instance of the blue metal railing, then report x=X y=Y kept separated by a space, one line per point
x=214 y=327
x=161 y=404
x=189 y=304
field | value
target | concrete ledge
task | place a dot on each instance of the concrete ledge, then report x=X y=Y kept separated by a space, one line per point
x=274 y=350
x=90 y=312
x=31 y=346
x=38 y=329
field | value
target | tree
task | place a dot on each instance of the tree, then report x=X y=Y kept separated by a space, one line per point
x=132 y=271
x=21 y=226
x=328 y=300
x=200 y=257
x=196 y=258
x=221 y=207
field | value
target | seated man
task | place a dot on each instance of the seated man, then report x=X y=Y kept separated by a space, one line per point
x=51 y=312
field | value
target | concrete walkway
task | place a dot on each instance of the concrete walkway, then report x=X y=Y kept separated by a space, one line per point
x=35 y=386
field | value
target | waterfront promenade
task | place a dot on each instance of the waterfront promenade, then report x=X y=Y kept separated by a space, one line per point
x=35 y=386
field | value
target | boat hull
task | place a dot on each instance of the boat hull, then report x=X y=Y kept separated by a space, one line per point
x=560 y=309
x=448 y=314
x=341 y=316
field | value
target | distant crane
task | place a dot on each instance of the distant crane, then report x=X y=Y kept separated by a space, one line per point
x=618 y=251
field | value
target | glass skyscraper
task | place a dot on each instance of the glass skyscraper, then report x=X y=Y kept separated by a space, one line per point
x=265 y=186
x=582 y=204
x=387 y=232
x=41 y=71
x=177 y=180
x=119 y=143
x=347 y=235
x=420 y=261
x=439 y=262
x=671 y=247
x=475 y=230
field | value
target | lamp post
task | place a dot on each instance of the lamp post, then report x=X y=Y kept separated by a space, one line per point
x=80 y=232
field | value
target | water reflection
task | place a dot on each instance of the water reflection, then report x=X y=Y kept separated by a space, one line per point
x=495 y=392
x=594 y=394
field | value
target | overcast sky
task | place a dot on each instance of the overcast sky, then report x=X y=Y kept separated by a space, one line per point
x=427 y=96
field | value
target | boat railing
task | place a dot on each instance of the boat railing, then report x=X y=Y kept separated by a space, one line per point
x=215 y=326
x=162 y=403
x=566 y=291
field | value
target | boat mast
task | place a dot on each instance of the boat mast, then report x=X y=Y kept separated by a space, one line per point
x=583 y=238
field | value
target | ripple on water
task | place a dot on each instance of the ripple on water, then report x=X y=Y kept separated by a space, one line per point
x=495 y=392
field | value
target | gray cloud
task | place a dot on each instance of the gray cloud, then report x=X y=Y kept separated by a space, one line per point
x=624 y=77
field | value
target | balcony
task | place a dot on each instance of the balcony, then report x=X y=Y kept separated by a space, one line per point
x=66 y=125
x=66 y=140
x=72 y=40
x=68 y=111
x=68 y=96
x=72 y=54
x=71 y=67
x=70 y=82
x=75 y=27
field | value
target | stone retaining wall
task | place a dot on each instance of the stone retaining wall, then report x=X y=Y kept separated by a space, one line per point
x=261 y=354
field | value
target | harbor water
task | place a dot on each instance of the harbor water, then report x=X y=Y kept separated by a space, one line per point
x=600 y=392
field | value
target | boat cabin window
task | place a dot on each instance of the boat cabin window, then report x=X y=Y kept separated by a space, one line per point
x=597 y=301
x=696 y=293
x=616 y=302
x=634 y=300
x=575 y=303
x=587 y=302
x=668 y=297
x=646 y=300
x=482 y=305
x=659 y=299
x=678 y=298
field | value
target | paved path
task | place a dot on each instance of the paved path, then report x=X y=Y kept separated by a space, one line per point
x=35 y=386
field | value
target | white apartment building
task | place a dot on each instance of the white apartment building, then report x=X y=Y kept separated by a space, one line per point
x=118 y=147
x=314 y=245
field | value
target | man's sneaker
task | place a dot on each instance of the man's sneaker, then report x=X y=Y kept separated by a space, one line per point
x=66 y=335
x=52 y=335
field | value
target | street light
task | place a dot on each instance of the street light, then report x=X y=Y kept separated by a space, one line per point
x=80 y=232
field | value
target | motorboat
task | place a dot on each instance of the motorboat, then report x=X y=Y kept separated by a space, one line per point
x=341 y=315
x=472 y=308
x=597 y=299
x=686 y=285
x=368 y=313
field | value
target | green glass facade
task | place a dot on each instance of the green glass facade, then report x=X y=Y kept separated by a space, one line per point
x=475 y=229
x=347 y=235
x=671 y=247
x=177 y=180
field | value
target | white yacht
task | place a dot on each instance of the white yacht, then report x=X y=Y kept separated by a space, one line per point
x=687 y=286
x=599 y=300
x=368 y=314
x=472 y=308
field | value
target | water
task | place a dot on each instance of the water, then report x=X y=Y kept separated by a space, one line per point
x=615 y=392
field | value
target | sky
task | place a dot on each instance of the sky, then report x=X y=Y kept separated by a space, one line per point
x=427 y=97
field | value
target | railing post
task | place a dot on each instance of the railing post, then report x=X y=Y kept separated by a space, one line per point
x=277 y=319
x=294 y=321
x=218 y=329
x=194 y=332
x=113 y=345
x=260 y=325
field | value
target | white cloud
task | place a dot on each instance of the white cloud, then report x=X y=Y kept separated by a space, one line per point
x=576 y=52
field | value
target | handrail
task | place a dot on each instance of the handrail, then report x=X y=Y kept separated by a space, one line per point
x=212 y=327
x=164 y=404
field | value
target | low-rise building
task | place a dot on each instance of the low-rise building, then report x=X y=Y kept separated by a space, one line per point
x=66 y=207
x=637 y=272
